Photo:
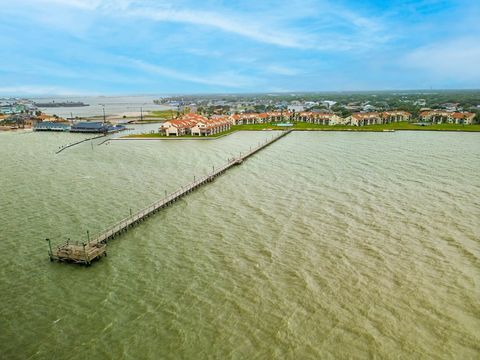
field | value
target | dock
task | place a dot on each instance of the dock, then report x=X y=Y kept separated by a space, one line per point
x=65 y=147
x=95 y=248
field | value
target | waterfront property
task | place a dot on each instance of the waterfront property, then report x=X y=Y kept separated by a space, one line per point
x=178 y=127
x=318 y=118
x=322 y=118
x=395 y=116
x=95 y=127
x=447 y=117
x=249 y=118
x=195 y=125
x=377 y=118
x=89 y=127
x=211 y=126
x=261 y=118
x=198 y=125
x=50 y=126
x=363 y=119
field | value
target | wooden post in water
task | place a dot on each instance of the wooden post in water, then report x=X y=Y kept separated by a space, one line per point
x=50 y=253
x=85 y=254
x=73 y=252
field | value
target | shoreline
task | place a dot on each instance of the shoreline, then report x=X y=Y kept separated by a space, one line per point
x=170 y=138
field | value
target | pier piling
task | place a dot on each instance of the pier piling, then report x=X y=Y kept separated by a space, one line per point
x=96 y=248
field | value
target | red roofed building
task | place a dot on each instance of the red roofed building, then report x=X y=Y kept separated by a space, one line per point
x=211 y=126
x=376 y=118
x=249 y=118
x=447 y=117
x=396 y=116
x=276 y=116
x=194 y=124
x=181 y=126
x=362 y=119
x=318 y=118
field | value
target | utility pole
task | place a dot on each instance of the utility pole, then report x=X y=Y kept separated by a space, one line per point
x=104 y=120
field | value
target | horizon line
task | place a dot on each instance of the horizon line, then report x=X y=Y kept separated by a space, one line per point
x=291 y=92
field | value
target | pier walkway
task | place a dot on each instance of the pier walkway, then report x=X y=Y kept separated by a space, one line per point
x=65 y=147
x=95 y=248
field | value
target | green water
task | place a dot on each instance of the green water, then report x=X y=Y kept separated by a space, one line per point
x=324 y=245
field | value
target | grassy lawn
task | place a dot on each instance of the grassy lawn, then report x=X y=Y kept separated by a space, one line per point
x=393 y=126
x=157 y=135
x=437 y=127
x=162 y=114
x=309 y=127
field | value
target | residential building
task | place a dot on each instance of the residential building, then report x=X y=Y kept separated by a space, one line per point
x=177 y=127
x=374 y=118
x=396 y=116
x=211 y=126
x=197 y=125
x=366 y=118
x=248 y=118
x=318 y=118
x=447 y=117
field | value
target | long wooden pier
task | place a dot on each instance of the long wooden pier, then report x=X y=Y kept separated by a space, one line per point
x=65 y=147
x=86 y=252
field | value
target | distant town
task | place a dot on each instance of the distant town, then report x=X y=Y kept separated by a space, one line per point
x=206 y=115
x=340 y=104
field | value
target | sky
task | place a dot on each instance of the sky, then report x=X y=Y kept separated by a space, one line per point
x=121 y=47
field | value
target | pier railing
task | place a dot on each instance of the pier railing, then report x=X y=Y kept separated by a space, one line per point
x=96 y=246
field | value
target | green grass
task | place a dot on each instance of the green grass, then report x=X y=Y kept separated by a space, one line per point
x=162 y=114
x=316 y=127
x=393 y=126
x=157 y=135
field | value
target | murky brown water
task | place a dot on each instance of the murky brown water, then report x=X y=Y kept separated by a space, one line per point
x=324 y=245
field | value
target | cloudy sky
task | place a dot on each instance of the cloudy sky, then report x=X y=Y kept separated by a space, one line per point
x=76 y=47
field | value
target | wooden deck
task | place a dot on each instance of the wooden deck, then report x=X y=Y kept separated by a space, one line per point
x=85 y=253
x=79 y=253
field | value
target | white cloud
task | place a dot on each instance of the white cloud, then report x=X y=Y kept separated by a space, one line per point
x=245 y=27
x=276 y=27
x=453 y=59
x=282 y=70
x=80 y=4
x=228 y=79
x=38 y=90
